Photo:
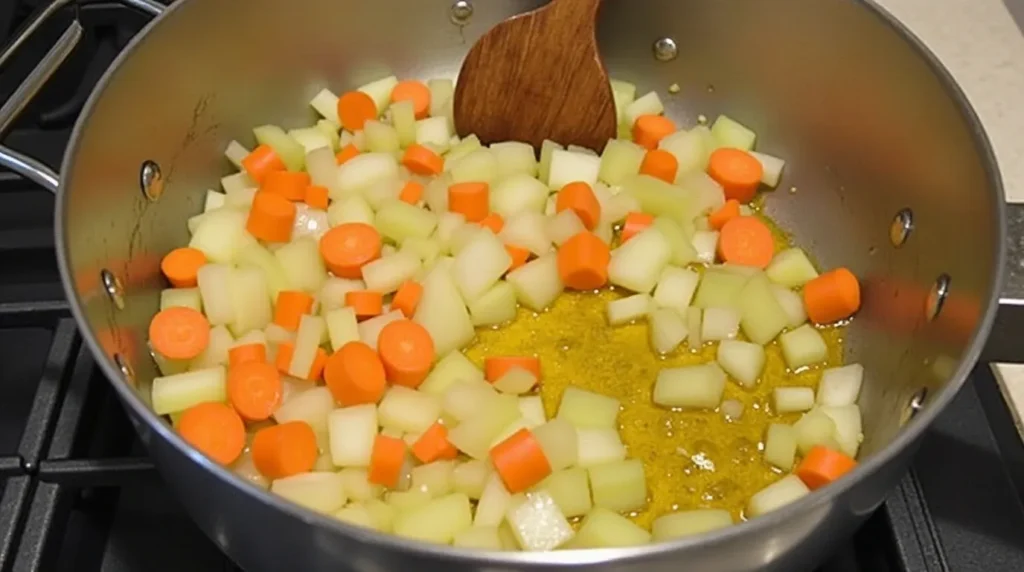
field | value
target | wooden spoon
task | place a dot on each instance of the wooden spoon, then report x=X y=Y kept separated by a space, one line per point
x=538 y=76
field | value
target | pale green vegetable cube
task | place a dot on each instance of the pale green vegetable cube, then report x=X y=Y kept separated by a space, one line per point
x=474 y=435
x=480 y=264
x=181 y=297
x=356 y=514
x=780 y=446
x=463 y=399
x=381 y=137
x=434 y=132
x=623 y=93
x=330 y=129
x=514 y=158
x=398 y=220
x=342 y=327
x=326 y=104
x=598 y=447
x=776 y=495
x=404 y=501
x=568 y=167
x=312 y=329
x=310 y=138
x=479 y=538
x=353 y=208
x=220 y=235
x=470 y=477
x=382 y=513
x=408 y=410
x=848 y=434
x=380 y=91
x=437 y=521
x=679 y=237
x=174 y=393
x=537 y=523
x=666 y=330
x=479 y=165
x=516 y=381
x=761 y=316
x=792 y=304
x=494 y=307
x=803 y=346
x=730 y=133
x=625 y=310
x=214 y=201
x=319 y=491
x=690 y=148
x=435 y=478
x=675 y=288
x=839 y=386
x=358 y=486
x=659 y=198
x=547 y=147
x=771 y=168
x=442 y=312
x=602 y=528
x=693 y=386
x=351 y=432
x=527 y=229
x=619 y=160
x=302 y=265
x=537 y=283
x=792 y=399
x=791 y=268
x=743 y=361
x=289 y=150
x=588 y=410
x=815 y=428
x=216 y=352
x=620 y=486
x=689 y=523
x=570 y=489
x=460 y=150
x=517 y=193
x=452 y=369
x=719 y=289
x=403 y=118
x=705 y=243
x=560 y=442
x=311 y=406
x=531 y=407
x=647 y=104
x=494 y=503
x=441 y=91
x=637 y=264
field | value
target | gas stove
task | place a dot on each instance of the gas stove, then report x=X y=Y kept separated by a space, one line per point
x=77 y=491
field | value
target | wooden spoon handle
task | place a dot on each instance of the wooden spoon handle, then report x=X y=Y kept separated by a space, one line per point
x=574 y=14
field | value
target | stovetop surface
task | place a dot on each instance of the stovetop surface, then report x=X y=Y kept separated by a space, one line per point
x=78 y=493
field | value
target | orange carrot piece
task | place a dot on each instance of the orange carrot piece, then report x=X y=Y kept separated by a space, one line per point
x=433 y=445
x=648 y=130
x=832 y=296
x=407 y=298
x=495 y=367
x=407 y=352
x=271 y=218
x=415 y=91
x=290 y=306
x=355 y=375
x=583 y=262
x=284 y=450
x=181 y=266
x=471 y=200
x=494 y=222
x=746 y=240
x=727 y=212
x=254 y=389
x=215 y=429
x=579 y=197
x=737 y=171
x=318 y=197
x=386 y=460
x=316 y=370
x=822 y=466
x=247 y=353
x=635 y=223
x=519 y=256
x=520 y=461
x=288 y=184
x=411 y=193
x=262 y=161
x=347 y=152
x=366 y=303
x=285 y=351
x=355 y=108
x=422 y=160
x=660 y=164
x=347 y=247
x=179 y=333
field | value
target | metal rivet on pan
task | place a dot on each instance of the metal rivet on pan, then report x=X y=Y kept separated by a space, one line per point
x=151 y=180
x=665 y=49
x=916 y=404
x=126 y=370
x=462 y=11
x=937 y=296
x=902 y=224
x=113 y=287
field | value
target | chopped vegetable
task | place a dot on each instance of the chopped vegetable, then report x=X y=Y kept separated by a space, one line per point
x=695 y=386
x=215 y=429
x=520 y=461
x=833 y=296
x=821 y=466
x=602 y=528
x=802 y=347
x=688 y=523
x=619 y=486
x=284 y=450
x=537 y=523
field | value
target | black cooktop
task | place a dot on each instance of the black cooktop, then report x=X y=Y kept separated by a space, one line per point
x=78 y=493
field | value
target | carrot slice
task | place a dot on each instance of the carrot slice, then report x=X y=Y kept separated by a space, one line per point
x=433 y=445
x=727 y=212
x=215 y=429
x=520 y=461
x=415 y=91
x=284 y=450
x=583 y=262
x=316 y=370
x=179 y=333
x=407 y=352
x=746 y=240
x=261 y=161
x=660 y=164
x=318 y=197
x=471 y=200
x=422 y=160
x=648 y=130
x=519 y=256
x=288 y=184
x=386 y=460
x=355 y=375
x=407 y=298
x=285 y=350
x=181 y=266
x=821 y=466
x=347 y=247
x=495 y=367
x=832 y=296
x=271 y=218
x=291 y=305
x=579 y=197
x=254 y=389
x=347 y=152
x=366 y=303
x=355 y=108
x=247 y=353
x=494 y=222
x=411 y=193
x=737 y=171
x=635 y=223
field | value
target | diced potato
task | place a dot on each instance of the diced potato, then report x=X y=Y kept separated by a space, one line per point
x=803 y=346
x=693 y=387
x=744 y=361
x=693 y=325
x=342 y=327
x=322 y=167
x=302 y=265
x=516 y=381
x=356 y=514
x=602 y=528
x=570 y=489
x=660 y=198
x=435 y=132
x=435 y=195
x=791 y=268
x=381 y=137
x=720 y=324
x=214 y=200
x=435 y=478
x=680 y=239
x=619 y=160
x=385 y=275
x=383 y=514
x=780 y=446
x=408 y=410
x=647 y=104
x=625 y=310
x=688 y=523
x=667 y=330
x=531 y=408
x=518 y=193
x=427 y=250
x=637 y=264
x=403 y=118
x=479 y=165
x=311 y=406
x=537 y=523
x=216 y=352
x=776 y=495
x=494 y=503
x=597 y=446
x=310 y=138
x=287 y=149
x=174 y=393
x=761 y=316
x=220 y=235
x=792 y=399
x=587 y=409
x=181 y=297
x=470 y=477
x=730 y=133
x=547 y=148
x=537 y=283
x=364 y=171
x=320 y=491
x=357 y=485
x=480 y=264
x=398 y=220
x=437 y=521
x=690 y=148
x=514 y=157
x=815 y=428
x=494 y=307
x=352 y=431
x=619 y=486
x=237 y=182
x=441 y=91
x=352 y=208
x=442 y=312
x=407 y=500
x=307 y=342
x=675 y=288
x=528 y=230
x=255 y=255
x=463 y=399
x=250 y=300
x=705 y=243
x=560 y=442
x=380 y=91
x=474 y=435
x=840 y=386
x=479 y=538
x=326 y=104
x=567 y=167
x=564 y=226
x=451 y=369
x=369 y=330
x=792 y=304
x=848 y=433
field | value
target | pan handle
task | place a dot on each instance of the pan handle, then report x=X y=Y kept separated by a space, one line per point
x=25 y=166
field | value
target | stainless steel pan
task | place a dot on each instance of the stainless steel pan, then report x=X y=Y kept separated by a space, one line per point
x=890 y=170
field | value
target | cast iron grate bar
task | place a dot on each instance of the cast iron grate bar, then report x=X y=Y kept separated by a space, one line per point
x=10 y=466
x=47 y=517
x=47 y=399
x=13 y=503
x=42 y=313
x=83 y=473
x=27 y=239
x=71 y=412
